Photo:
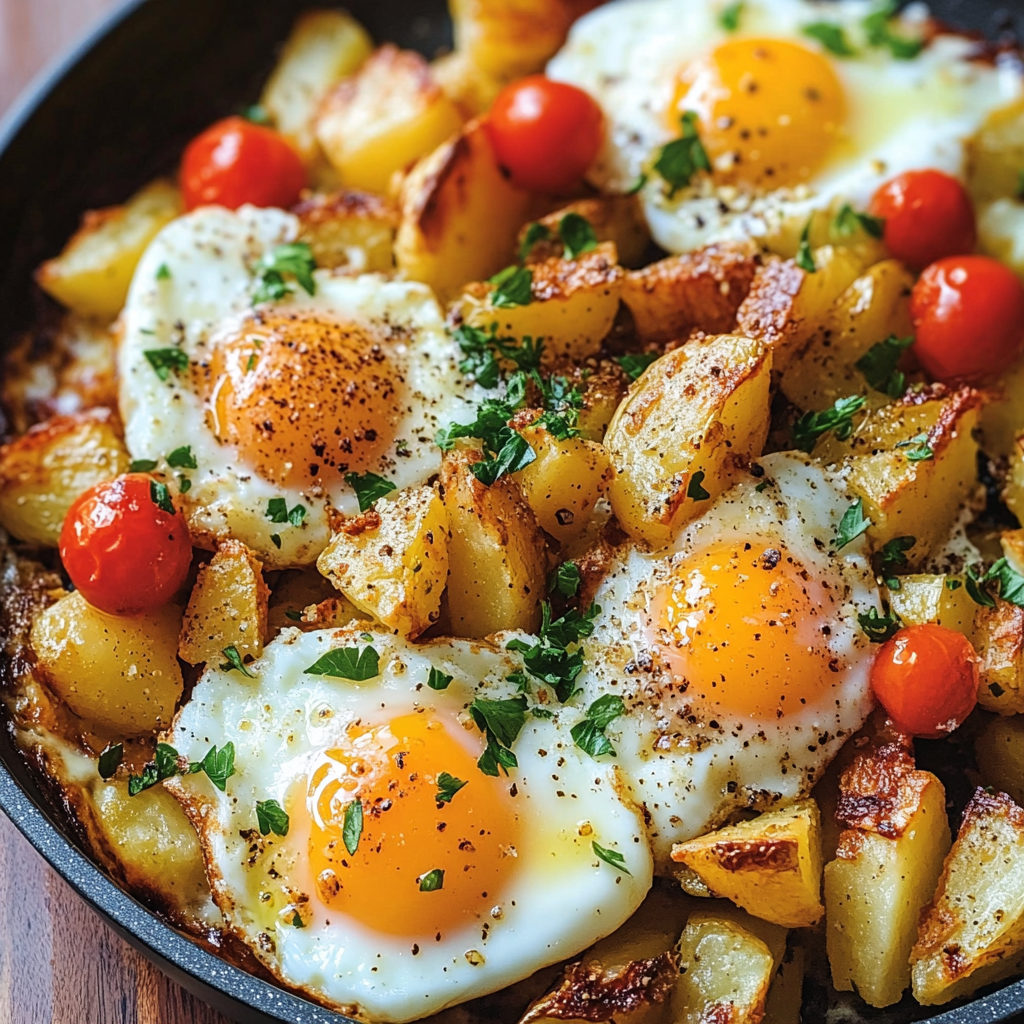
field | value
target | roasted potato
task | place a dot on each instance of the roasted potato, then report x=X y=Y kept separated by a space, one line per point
x=350 y=230
x=496 y=553
x=1013 y=492
x=383 y=118
x=323 y=48
x=1002 y=418
x=770 y=866
x=119 y=673
x=44 y=471
x=391 y=561
x=943 y=600
x=1000 y=227
x=887 y=864
x=996 y=154
x=999 y=641
x=228 y=607
x=305 y=599
x=615 y=219
x=91 y=276
x=572 y=307
x=688 y=426
x=695 y=291
x=972 y=934
x=999 y=750
x=459 y=214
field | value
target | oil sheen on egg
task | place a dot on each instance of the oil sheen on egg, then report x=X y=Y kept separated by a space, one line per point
x=278 y=400
x=738 y=652
x=789 y=127
x=371 y=926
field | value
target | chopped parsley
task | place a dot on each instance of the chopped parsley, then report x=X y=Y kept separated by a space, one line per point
x=838 y=420
x=535 y=232
x=562 y=404
x=297 y=921
x=879 y=628
x=953 y=584
x=577 y=234
x=278 y=512
x=161 y=497
x=437 y=680
x=917 y=449
x=1009 y=585
x=219 y=766
x=447 y=787
x=482 y=352
x=141 y=465
x=976 y=588
x=368 y=487
x=679 y=160
x=110 y=760
x=831 y=36
x=501 y=722
x=893 y=557
x=852 y=525
x=276 y=539
x=352 y=826
x=432 y=881
x=695 y=490
x=163 y=360
x=548 y=659
x=879 y=364
x=879 y=31
x=589 y=735
x=184 y=484
x=804 y=253
x=565 y=580
x=234 y=662
x=357 y=664
x=637 y=185
x=294 y=259
x=635 y=364
x=271 y=817
x=163 y=272
x=848 y=221
x=729 y=18
x=182 y=458
x=611 y=857
x=513 y=287
x=257 y=114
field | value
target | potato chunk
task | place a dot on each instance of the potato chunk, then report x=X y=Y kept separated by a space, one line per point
x=999 y=641
x=459 y=215
x=350 y=230
x=770 y=866
x=997 y=153
x=496 y=553
x=972 y=934
x=573 y=305
x=392 y=560
x=119 y=673
x=924 y=598
x=228 y=607
x=91 y=276
x=886 y=867
x=688 y=426
x=383 y=118
x=323 y=47
x=615 y=219
x=44 y=471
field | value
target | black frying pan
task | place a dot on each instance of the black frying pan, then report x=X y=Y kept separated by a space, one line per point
x=114 y=113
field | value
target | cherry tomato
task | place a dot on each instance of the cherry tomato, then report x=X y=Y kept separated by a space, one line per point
x=968 y=314
x=235 y=162
x=927 y=215
x=545 y=133
x=926 y=678
x=122 y=551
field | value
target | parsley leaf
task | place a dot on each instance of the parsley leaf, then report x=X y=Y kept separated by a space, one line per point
x=549 y=659
x=566 y=579
x=182 y=458
x=635 y=364
x=163 y=272
x=879 y=363
x=831 y=36
x=234 y=662
x=694 y=489
x=137 y=783
x=110 y=759
x=804 y=254
x=278 y=512
x=589 y=735
x=257 y=114
x=368 y=487
x=293 y=258
x=141 y=465
x=219 y=765
x=879 y=33
x=577 y=234
x=976 y=590
x=161 y=497
x=513 y=287
x=879 y=628
x=611 y=857
x=432 y=881
x=482 y=351
x=163 y=766
x=447 y=787
x=848 y=221
x=515 y=454
x=271 y=817
x=892 y=557
x=535 y=232
x=501 y=722
x=1011 y=583
x=163 y=360
x=729 y=18
x=680 y=159
x=352 y=826
x=838 y=420
x=297 y=921
x=917 y=449
x=437 y=680
x=852 y=525
x=347 y=663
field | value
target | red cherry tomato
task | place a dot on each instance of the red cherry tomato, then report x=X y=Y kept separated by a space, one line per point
x=968 y=314
x=122 y=551
x=236 y=162
x=926 y=678
x=545 y=133
x=927 y=215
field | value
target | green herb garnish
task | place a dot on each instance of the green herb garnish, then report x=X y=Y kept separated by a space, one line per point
x=357 y=664
x=838 y=420
x=182 y=458
x=879 y=628
x=565 y=580
x=549 y=659
x=447 y=787
x=680 y=159
x=729 y=18
x=437 y=680
x=161 y=497
x=294 y=259
x=848 y=221
x=879 y=31
x=577 y=234
x=804 y=253
x=635 y=364
x=611 y=857
x=501 y=722
x=535 y=232
x=694 y=490
x=589 y=735
x=141 y=465
x=369 y=487
x=163 y=360
x=893 y=557
x=831 y=36
x=513 y=287
x=352 y=826
x=432 y=881
x=163 y=272
x=271 y=817
x=852 y=525
x=278 y=512
x=879 y=364
x=234 y=662
x=110 y=760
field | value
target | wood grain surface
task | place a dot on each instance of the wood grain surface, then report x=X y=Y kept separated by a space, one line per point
x=59 y=963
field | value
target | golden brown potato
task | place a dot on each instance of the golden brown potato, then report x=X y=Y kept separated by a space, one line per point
x=44 y=471
x=695 y=291
x=471 y=89
x=999 y=641
x=972 y=934
x=391 y=561
x=770 y=866
x=1000 y=224
x=118 y=673
x=940 y=599
x=350 y=230
x=496 y=553
x=603 y=392
x=999 y=750
x=459 y=215
x=996 y=154
x=696 y=416
x=323 y=47
x=615 y=219
x=887 y=865
x=228 y=607
x=302 y=598
x=91 y=276
x=572 y=308
x=383 y=118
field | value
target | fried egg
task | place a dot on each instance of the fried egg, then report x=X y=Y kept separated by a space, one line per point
x=737 y=652
x=789 y=127
x=283 y=399
x=438 y=901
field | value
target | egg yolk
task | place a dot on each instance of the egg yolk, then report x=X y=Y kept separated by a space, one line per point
x=769 y=110
x=746 y=626
x=304 y=398
x=408 y=832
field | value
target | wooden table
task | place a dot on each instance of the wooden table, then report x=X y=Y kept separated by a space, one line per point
x=59 y=964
